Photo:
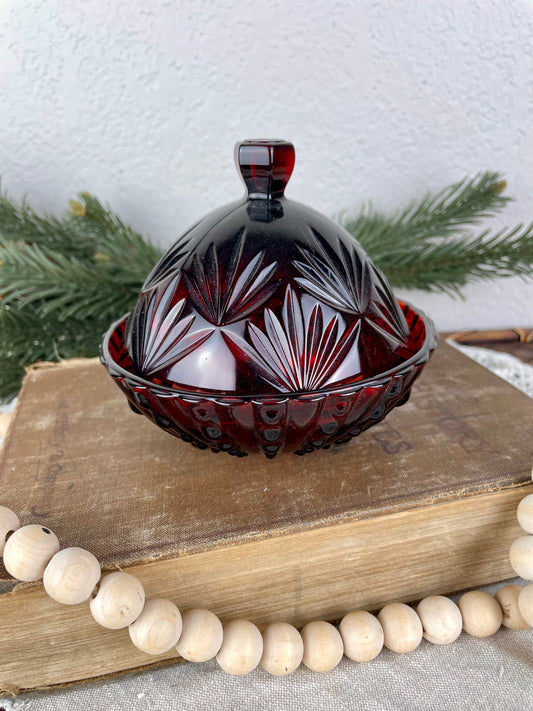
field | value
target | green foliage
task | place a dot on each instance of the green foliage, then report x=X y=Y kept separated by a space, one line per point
x=63 y=280
x=431 y=245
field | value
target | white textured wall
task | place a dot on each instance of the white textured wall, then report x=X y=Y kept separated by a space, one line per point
x=141 y=101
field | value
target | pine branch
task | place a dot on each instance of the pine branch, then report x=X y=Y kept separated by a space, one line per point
x=448 y=265
x=114 y=239
x=449 y=212
x=66 y=284
x=430 y=244
x=26 y=338
x=22 y=223
x=62 y=281
x=87 y=230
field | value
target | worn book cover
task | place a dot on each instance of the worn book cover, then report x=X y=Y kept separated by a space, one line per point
x=424 y=502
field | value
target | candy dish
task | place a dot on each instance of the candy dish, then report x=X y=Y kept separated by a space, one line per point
x=266 y=327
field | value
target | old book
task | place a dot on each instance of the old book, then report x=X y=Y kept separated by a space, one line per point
x=422 y=503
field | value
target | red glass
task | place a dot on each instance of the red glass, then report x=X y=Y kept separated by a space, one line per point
x=267 y=327
x=265 y=166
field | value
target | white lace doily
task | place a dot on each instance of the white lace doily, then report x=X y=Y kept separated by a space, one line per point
x=505 y=365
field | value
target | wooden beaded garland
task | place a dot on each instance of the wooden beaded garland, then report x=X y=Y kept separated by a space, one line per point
x=9 y=522
x=158 y=628
x=119 y=601
x=242 y=647
x=402 y=627
x=524 y=513
x=482 y=615
x=28 y=550
x=71 y=576
x=441 y=619
x=155 y=625
x=283 y=649
x=201 y=636
x=521 y=557
x=507 y=597
x=323 y=647
x=362 y=635
x=525 y=603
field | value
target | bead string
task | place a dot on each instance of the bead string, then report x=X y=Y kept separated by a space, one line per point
x=117 y=600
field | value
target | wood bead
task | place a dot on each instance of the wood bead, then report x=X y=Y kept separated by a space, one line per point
x=28 y=550
x=119 y=601
x=482 y=614
x=158 y=627
x=402 y=628
x=362 y=636
x=283 y=649
x=507 y=597
x=525 y=603
x=323 y=647
x=242 y=648
x=9 y=521
x=441 y=619
x=521 y=557
x=71 y=575
x=524 y=513
x=201 y=636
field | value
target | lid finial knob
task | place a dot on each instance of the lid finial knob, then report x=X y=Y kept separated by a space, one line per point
x=266 y=166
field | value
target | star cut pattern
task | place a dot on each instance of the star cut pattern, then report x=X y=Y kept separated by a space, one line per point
x=296 y=352
x=225 y=291
x=343 y=277
x=158 y=335
x=169 y=265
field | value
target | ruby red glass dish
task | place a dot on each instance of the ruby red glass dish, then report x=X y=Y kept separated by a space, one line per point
x=266 y=327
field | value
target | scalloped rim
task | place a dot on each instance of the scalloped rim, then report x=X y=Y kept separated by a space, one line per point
x=420 y=357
